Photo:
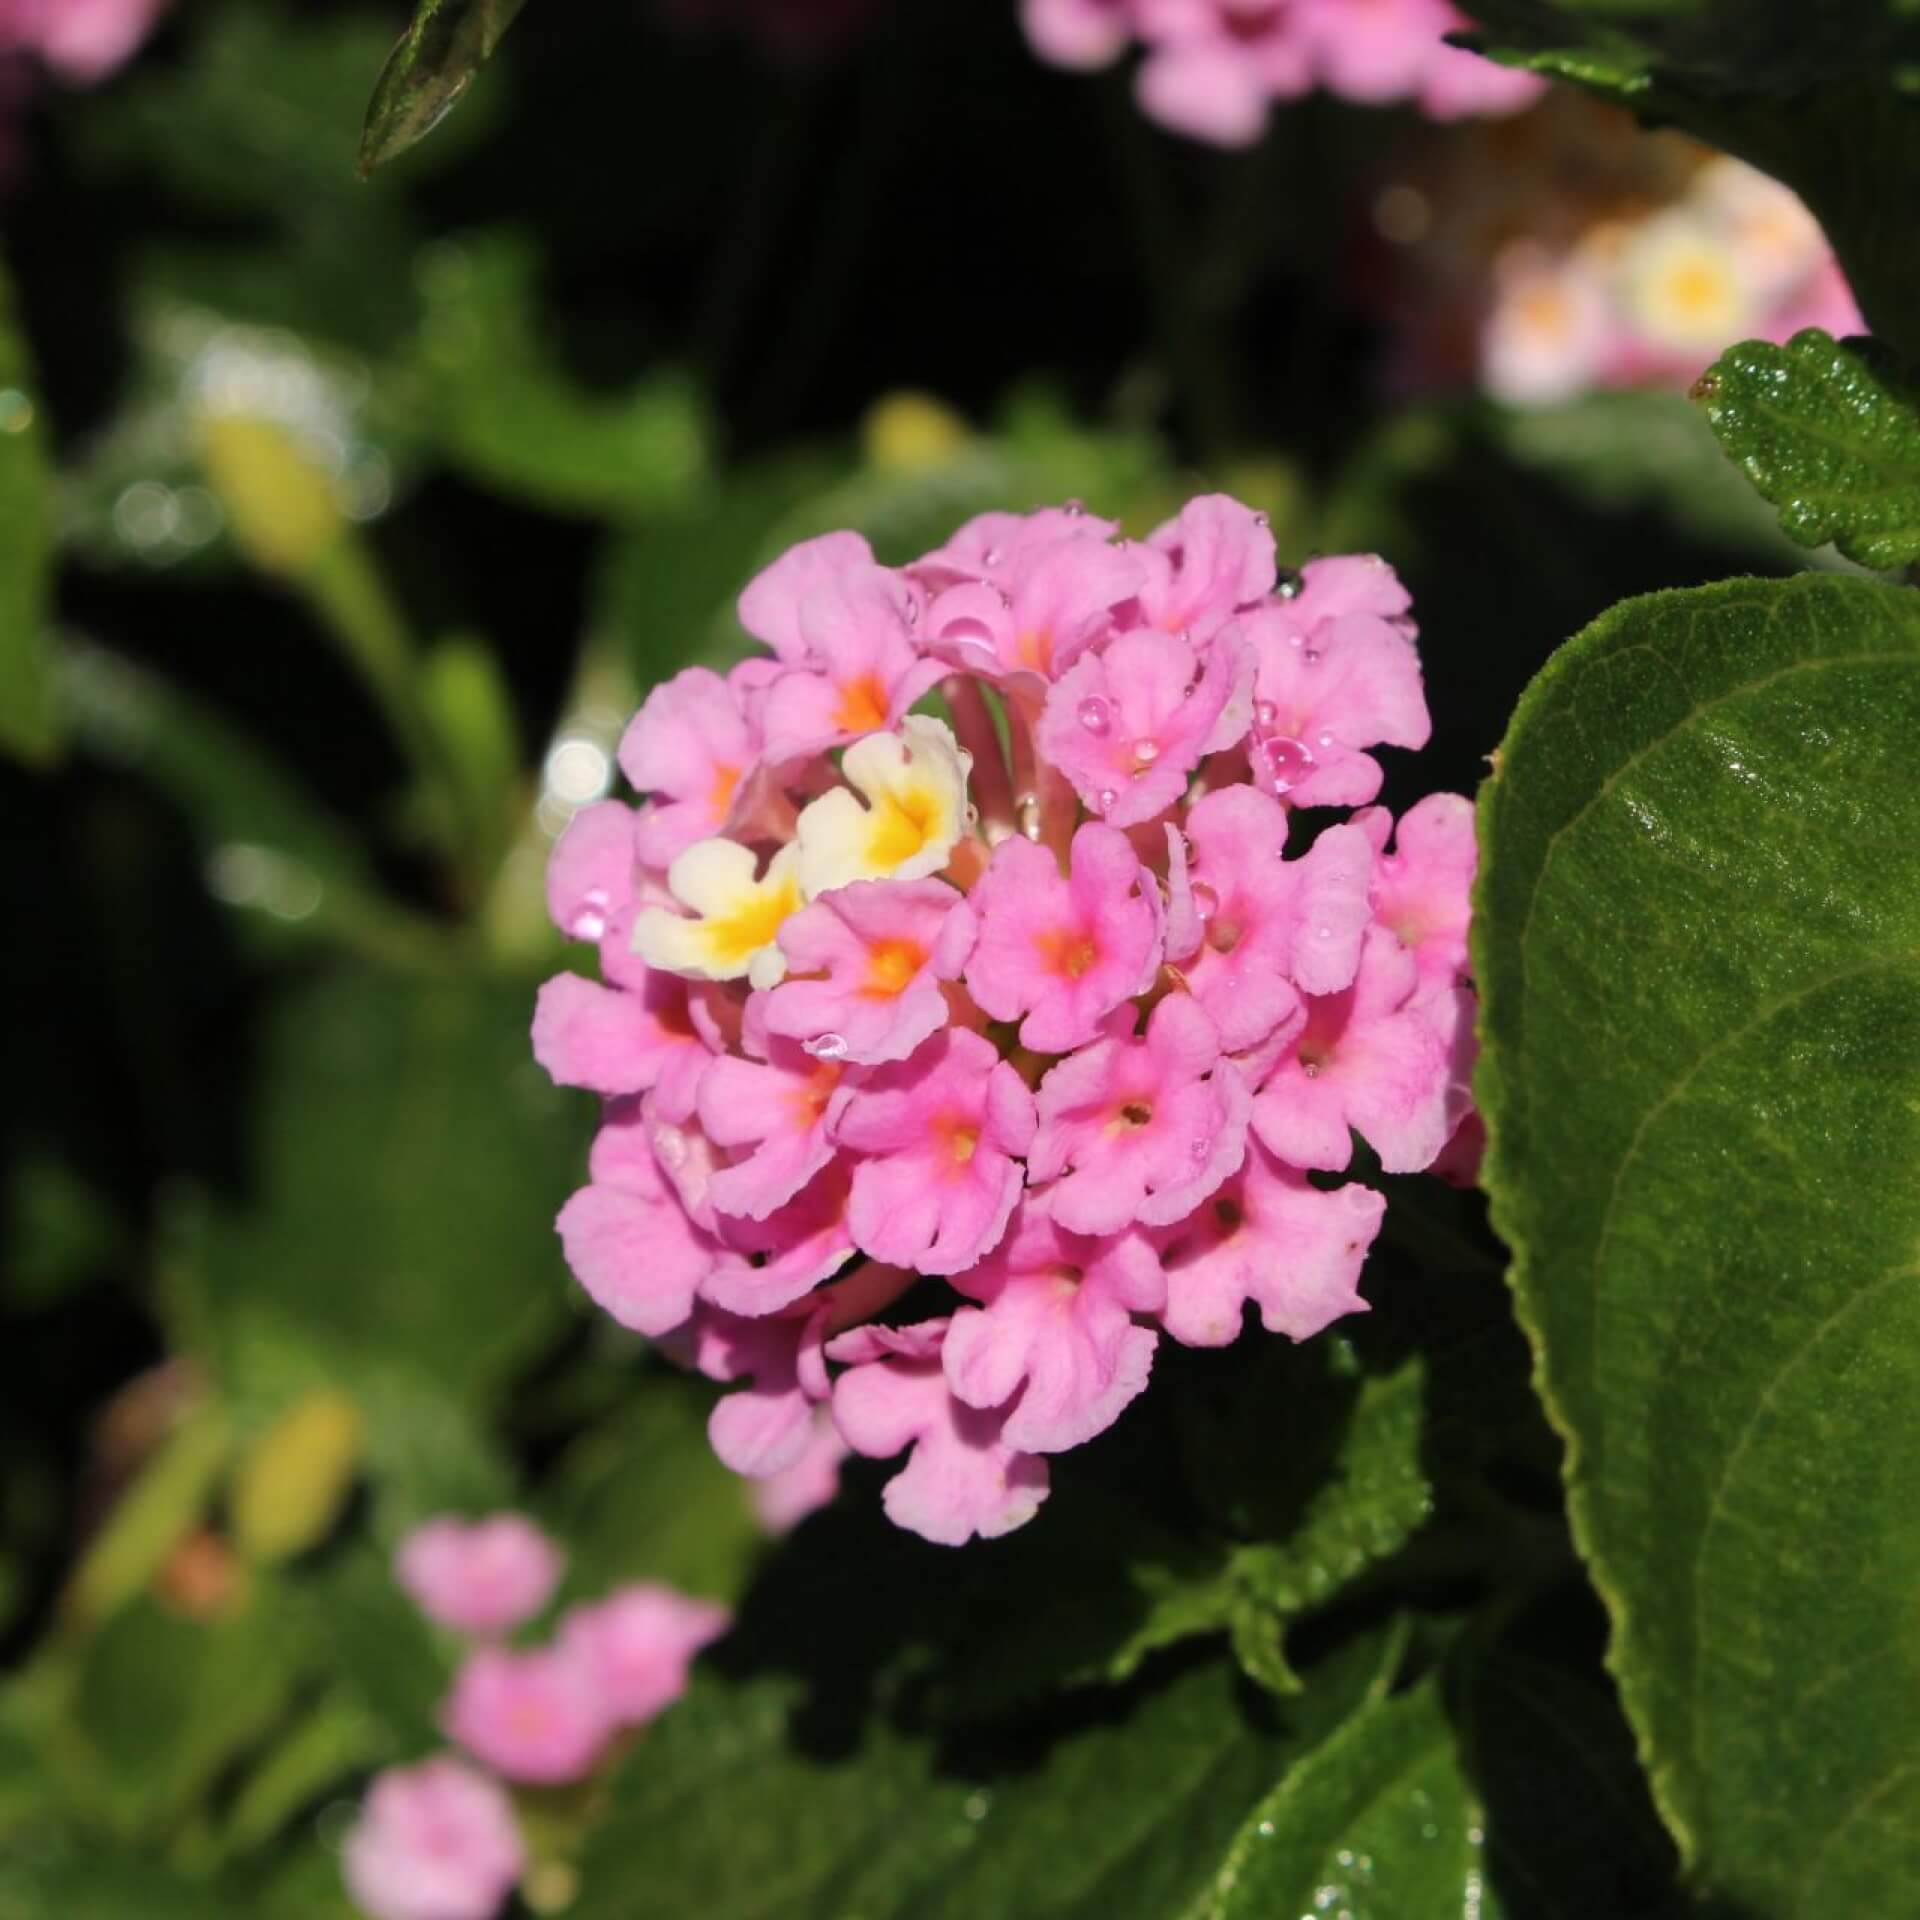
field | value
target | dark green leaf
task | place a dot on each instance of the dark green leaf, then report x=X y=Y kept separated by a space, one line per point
x=1379 y=1821
x=1830 y=435
x=164 y=1702
x=641 y=1496
x=29 y=715
x=425 y=75
x=1698 y=942
x=729 y=1811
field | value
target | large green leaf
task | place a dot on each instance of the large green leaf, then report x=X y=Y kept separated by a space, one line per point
x=1830 y=435
x=445 y=46
x=1698 y=945
x=732 y=1810
x=29 y=719
x=408 y=1160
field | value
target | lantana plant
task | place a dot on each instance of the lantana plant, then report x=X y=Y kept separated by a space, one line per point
x=994 y=980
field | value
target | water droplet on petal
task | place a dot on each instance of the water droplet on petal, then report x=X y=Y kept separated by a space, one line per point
x=1311 y=655
x=1146 y=751
x=1261 y=521
x=1288 y=585
x=1324 y=741
x=1323 y=933
x=1200 y=1149
x=826 y=1046
x=1095 y=715
x=1310 y=1068
x=1285 y=761
x=973 y=815
x=1075 y=509
x=1107 y=797
x=991 y=558
x=1265 y=712
x=1206 y=902
x=590 y=919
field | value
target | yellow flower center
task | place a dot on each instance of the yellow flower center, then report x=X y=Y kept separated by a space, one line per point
x=890 y=965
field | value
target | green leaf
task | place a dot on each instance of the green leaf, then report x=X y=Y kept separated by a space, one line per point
x=408 y=1159
x=1365 y=1503
x=731 y=1809
x=29 y=715
x=641 y=1496
x=425 y=75
x=1380 y=1821
x=497 y=403
x=1830 y=435
x=1698 y=946
x=1779 y=46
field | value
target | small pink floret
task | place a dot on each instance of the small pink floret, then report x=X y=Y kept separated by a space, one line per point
x=638 y=1644
x=436 y=1841
x=480 y=1577
x=536 y=1716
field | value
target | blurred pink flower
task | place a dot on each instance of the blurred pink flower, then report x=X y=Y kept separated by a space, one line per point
x=436 y=1841
x=480 y=1577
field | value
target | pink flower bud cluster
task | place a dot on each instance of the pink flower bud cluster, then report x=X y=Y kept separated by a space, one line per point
x=1214 y=68
x=1053 y=997
x=439 y=1841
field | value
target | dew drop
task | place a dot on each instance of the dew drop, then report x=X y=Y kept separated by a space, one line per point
x=1261 y=521
x=1288 y=586
x=1075 y=509
x=590 y=918
x=1286 y=762
x=1107 y=796
x=1323 y=933
x=1200 y=1149
x=1310 y=1068
x=1323 y=741
x=1206 y=902
x=826 y=1046
x=1311 y=655
x=1265 y=713
x=991 y=558
x=1146 y=751
x=1095 y=715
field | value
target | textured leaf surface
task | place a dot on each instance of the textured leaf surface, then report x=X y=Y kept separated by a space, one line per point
x=729 y=1811
x=1827 y=434
x=445 y=46
x=1698 y=943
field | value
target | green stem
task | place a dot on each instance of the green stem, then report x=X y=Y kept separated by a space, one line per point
x=352 y=600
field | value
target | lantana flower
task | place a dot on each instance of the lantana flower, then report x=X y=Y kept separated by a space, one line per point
x=1214 y=68
x=437 y=1841
x=1051 y=999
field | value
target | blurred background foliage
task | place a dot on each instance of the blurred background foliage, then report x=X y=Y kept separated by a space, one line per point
x=344 y=523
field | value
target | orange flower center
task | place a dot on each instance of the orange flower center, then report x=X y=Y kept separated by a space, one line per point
x=863 y=706
x=1070 y=955
x=890 y=965
x=720 y=794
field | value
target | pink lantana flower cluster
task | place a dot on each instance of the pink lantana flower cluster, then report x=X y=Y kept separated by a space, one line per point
x=1052 y=994
x=1214 y=68
x=440 y=1841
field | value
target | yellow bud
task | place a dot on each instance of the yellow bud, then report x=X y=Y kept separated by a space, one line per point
x=912 y=433
x=291 y=1486
x=279 y=504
